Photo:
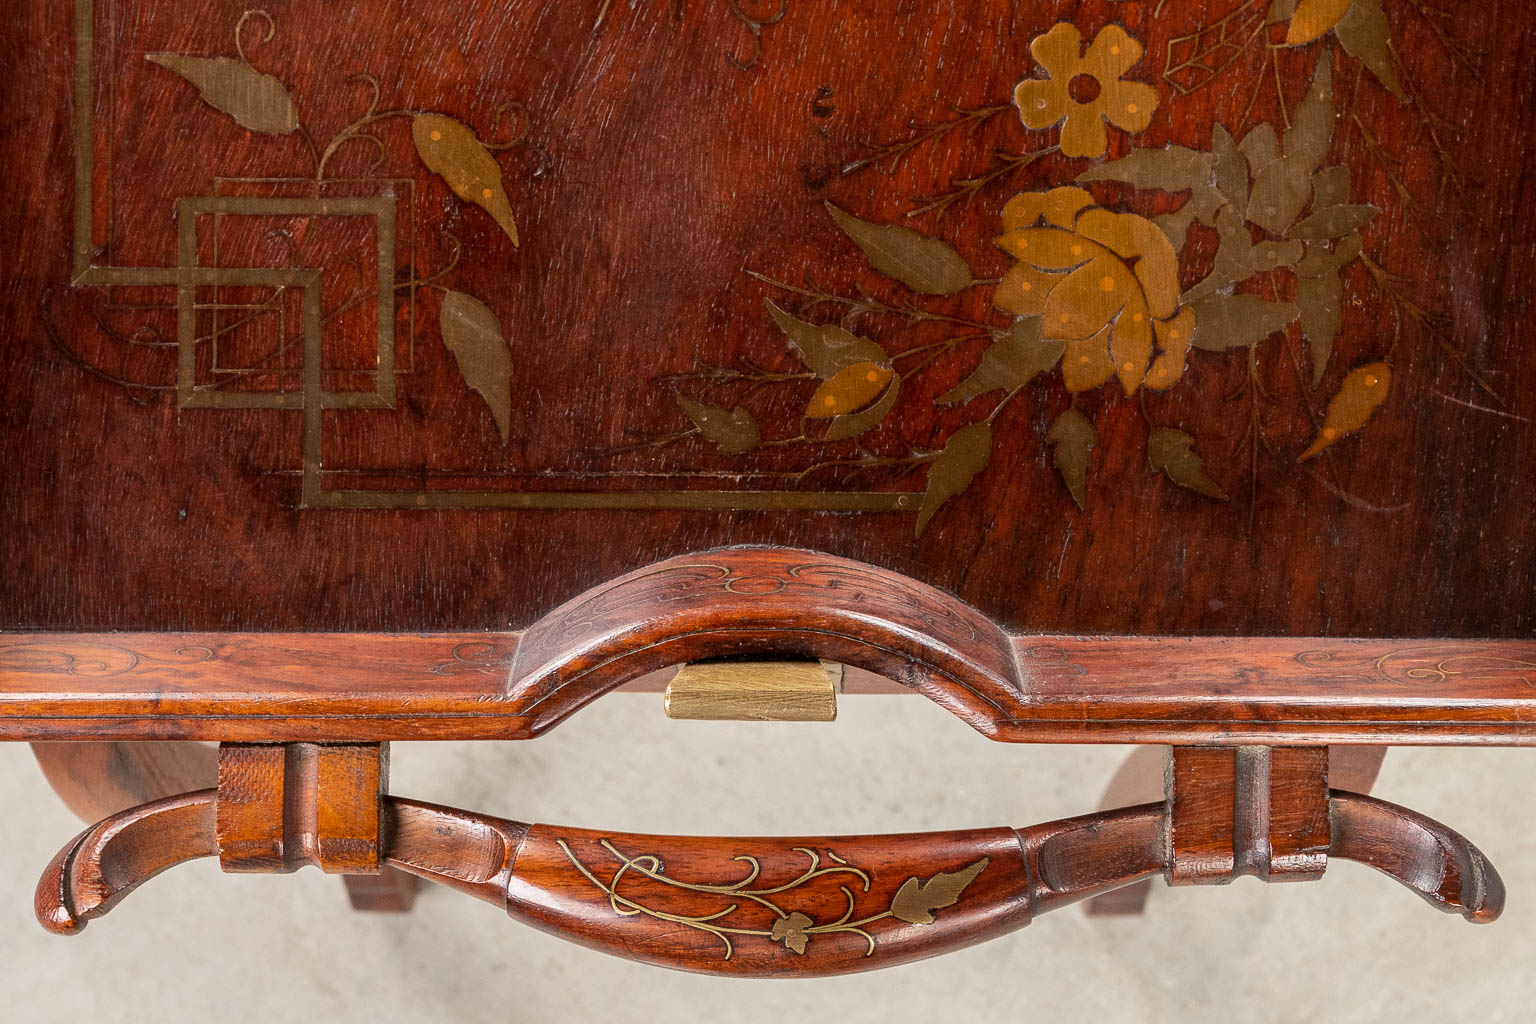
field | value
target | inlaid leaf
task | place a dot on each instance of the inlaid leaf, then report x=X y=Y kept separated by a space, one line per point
x=1225 y=322
x=1279 y=194
x=1282 y=186
x=927 y=265
x=1260 y=147
x=1176 y=225
x=1366 y=36
x=1010 y=362
x=450 y=150
x=1330 y=186
x=256 y=101
x=853 y=424
x=1172 y=169
x=916 y=900
x=734 y=431
x=1334 y=222
x=1320 y=299
x=1172 y=452
x=1313 y=19
x=849 y=390
x=1231 y=168
x=473 y=334
x=1072 y=439
x=823 y=348
x=965 y=454
x=1311 y=132
x=1359 y=396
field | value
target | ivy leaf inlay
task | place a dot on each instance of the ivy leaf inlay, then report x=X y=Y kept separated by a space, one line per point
x=926 y=265
x=1366 y=36
x=916 y=900
x=825 y=349
x=965 y=454
x=450 y=150
x=1172 y=452
x=734 y=430
x=1010 y=362
x=1173 y=169
x=1225 y=322
x=1282 y=185
x=255 y=100
x=1072 y=440
x=473 y=334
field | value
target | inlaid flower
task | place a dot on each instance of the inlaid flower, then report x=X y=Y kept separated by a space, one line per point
x=1105 y=284
x=791 y=931
x=1085 y=89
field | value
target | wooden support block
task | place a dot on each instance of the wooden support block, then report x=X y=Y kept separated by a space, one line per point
x=1258 y=811
x=282 y=806
x=755 y=691
x=1202 y=795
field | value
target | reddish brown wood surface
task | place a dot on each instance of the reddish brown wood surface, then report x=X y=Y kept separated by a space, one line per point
x=282 y=806
x=338 y=687
x=811 y=906
x=654 y=176
x=98 y=779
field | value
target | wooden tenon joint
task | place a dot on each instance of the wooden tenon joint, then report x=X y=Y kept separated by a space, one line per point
x=1260 y=811
x=284 y=805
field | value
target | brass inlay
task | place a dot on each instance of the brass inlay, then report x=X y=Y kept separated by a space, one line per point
x=755 y=691
x=260 y=102
x=914 y=902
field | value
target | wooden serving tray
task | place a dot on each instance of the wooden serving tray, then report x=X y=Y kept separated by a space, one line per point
x=1124 y=370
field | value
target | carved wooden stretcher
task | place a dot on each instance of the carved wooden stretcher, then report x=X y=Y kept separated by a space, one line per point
x=1157 y=373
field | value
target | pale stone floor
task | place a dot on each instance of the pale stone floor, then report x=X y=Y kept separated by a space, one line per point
x=197 y=945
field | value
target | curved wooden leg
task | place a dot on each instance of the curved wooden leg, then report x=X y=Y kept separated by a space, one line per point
x=96 y=780
x=1140 y=779
x=391 y=891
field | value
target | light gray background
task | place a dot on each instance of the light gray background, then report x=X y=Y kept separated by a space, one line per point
x=195 y=944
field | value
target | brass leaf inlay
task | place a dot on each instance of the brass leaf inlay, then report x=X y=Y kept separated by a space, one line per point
x=451 y=150
x=913 y=903
x=473 y=334
x=255 y=100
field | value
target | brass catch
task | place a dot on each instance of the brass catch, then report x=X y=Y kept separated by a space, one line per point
x=756 y=691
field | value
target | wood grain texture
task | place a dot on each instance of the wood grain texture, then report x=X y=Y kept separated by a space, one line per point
x=653 y=176
x=283 y=806
x=340 y=687
x=786 y=907
x=98 y=779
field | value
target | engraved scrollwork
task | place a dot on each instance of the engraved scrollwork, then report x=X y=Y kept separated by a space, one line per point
x=91 y=659
x=1423 y=664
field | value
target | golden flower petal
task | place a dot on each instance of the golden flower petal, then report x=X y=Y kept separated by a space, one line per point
x=1130 y=344
x=1087 y=299
x=1049 y=248
x=1059 y=206
x=1112 y=53
x=1128 y=105
x=1085 y=364
x=1173 y=337
x=1041 y=101
x=1059 y=51
x=1136 y=238
x=1083 y=135
x=1023 y=290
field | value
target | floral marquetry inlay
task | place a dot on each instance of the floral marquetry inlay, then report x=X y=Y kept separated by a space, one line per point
x=1129 y=234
